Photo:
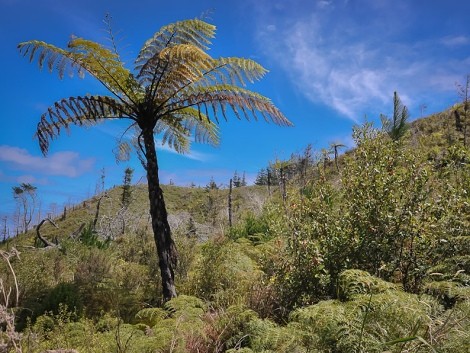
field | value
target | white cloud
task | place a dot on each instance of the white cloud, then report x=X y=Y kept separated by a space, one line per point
x=334 y=59
x=66 y=163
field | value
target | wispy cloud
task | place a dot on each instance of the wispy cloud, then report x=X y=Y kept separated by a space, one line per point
x=333 y=58
x=194 y=155
x=66 y=163
x=31 y=179
x=455 y=41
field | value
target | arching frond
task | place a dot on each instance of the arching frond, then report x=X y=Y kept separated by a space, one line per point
x=106 y=66
x=202 y=129
x=220 y=96
x=194 y=32
x=175 y=67
x=235 y=71
x=76 y=111
x=51 y=56
x=179 y=127
x=175 y=135
x=122 y=151
x=84 y=55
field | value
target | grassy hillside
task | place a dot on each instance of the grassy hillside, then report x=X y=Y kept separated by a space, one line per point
x=367 y=255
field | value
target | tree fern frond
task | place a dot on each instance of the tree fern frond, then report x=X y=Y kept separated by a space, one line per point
x=174 y=132
x=200 y=126
x=52 y=56
x=238 y=70
x=175 y=67
x=76 y=111
x=84 y=55
x=194 y=32
x=218 y=95
x=122 y=151
x=106 y=66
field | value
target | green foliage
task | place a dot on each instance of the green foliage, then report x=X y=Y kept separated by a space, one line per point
x=63 y=296
x=355 y=282
x=370 y=257
x=254 y=228
x=364 y=324
x=126 y=187
x=398 y=125
x=91 y=238
x=223 y=273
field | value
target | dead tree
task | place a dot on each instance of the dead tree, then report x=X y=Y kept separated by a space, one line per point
x=230 y=205
x=46 y=242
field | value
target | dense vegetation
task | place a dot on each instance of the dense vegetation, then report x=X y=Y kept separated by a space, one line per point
x=368 y=254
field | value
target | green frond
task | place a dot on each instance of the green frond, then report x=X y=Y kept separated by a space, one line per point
x=84 y=56
x=76 y=111
x=175 y=67
x=106 y=66
x=52 y=57
x=178 y=128
x=195 y=32
x=203 y=130
x=237 y=70
x=174 y=135
x=238 y=99
x=151 y=316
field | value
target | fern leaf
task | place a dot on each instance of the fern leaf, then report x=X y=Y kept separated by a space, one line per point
x=194 y=32
x=77 y=111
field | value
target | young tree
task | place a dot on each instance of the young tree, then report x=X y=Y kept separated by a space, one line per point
x=175 y=89
x=398 y=125
x=236 y=180
x=230 y=189
x=243 y=180
x=126 y=187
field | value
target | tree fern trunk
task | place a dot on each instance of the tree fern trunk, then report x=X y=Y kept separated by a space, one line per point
x=166 y=248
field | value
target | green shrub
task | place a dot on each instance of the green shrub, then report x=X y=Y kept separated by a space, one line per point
x=64 y=295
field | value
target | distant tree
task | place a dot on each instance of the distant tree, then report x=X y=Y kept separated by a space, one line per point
x=230 y=189
x=236 y=180
x=175 y=89
x=243 y=180
x=25 y=196
x=262 y=177
x=126 y=187
x=100 y=184
x=398 y=124
x=4 y=228
x=335 y=146
x=210 y=207
x=211 y=185
x=462 y=116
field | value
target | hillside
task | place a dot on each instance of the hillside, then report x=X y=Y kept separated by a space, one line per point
x=368 y=254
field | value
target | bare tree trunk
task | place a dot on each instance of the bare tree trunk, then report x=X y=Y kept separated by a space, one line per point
x=230 y=205
x=46 y=242
x=166 y=248
x=269 y=182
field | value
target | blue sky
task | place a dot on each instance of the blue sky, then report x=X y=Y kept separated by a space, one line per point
x=332 y=63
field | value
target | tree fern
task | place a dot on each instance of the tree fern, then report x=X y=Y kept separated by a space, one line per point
x=175 y=89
